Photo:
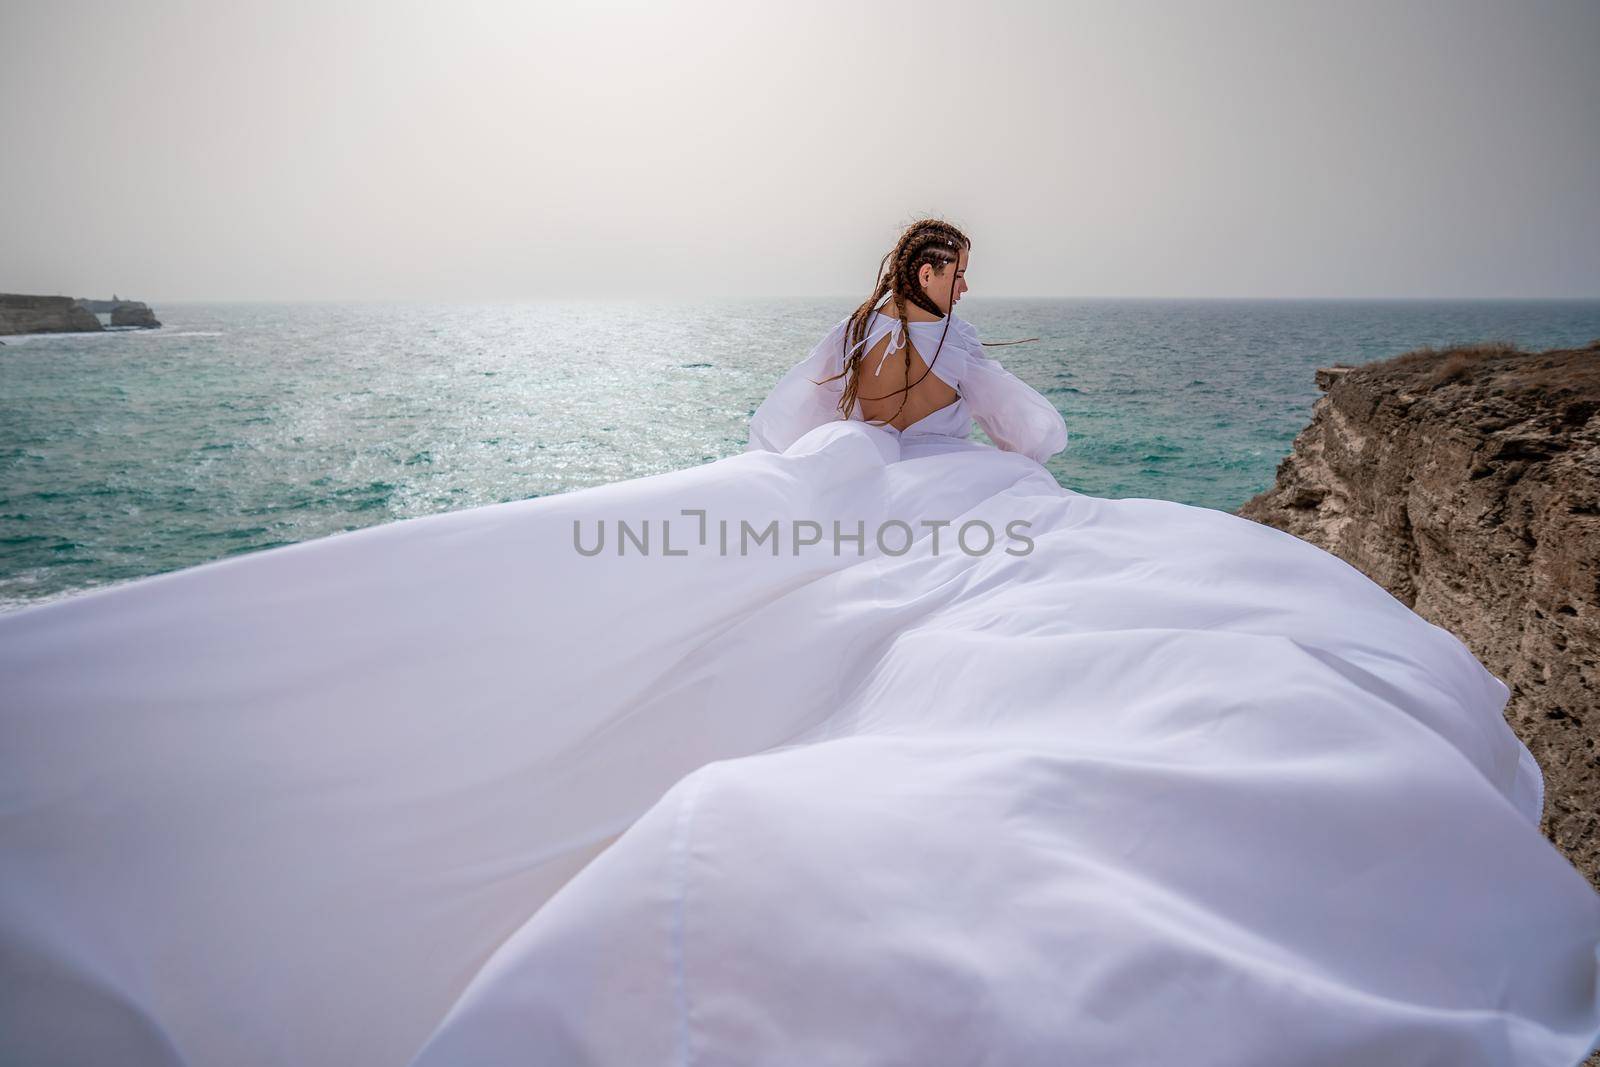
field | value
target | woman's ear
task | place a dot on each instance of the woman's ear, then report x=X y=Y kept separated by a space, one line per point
x=925 y=275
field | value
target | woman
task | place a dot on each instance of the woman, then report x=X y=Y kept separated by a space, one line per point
x=929 y=405
x=778 y=760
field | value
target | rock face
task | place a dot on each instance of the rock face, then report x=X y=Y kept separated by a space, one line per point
x=133 y=313
x=44 y=314
x=1467 y=483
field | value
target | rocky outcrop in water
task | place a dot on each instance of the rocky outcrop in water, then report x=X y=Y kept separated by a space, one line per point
x=134 y=313
x=20 y=313
x=44 y=314
x=1467 y=483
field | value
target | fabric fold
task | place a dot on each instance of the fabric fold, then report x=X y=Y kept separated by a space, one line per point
x=1014 y=775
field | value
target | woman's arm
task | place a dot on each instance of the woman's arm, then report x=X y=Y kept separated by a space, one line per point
x=1017 y=417
x=796 y=405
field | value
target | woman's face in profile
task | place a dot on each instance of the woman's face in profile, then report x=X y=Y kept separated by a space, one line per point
x=937 y=285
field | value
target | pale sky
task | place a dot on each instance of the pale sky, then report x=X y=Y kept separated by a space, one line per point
x=519 y=150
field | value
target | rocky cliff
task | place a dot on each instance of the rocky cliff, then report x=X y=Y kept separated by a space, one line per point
x=44 y=314
x=133 y=313
x=20 y=313
x=1467 y=483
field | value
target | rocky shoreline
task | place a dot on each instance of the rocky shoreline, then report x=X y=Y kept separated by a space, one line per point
x=1467 y=483
x=21 y=313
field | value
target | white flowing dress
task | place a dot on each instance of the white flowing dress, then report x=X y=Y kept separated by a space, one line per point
x=1170 y=787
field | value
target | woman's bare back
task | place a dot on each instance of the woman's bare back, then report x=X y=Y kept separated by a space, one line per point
x=929 y=394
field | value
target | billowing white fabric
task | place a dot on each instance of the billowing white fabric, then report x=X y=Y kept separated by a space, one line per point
x=1171 y=787
x=1014 y=415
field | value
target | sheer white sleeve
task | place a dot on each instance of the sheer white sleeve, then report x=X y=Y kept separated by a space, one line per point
x=1016 y=416
x=796 y=404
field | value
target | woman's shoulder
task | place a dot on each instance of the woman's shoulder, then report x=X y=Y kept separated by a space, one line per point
x=965 y=335
x=957 y=326
x=878 y=324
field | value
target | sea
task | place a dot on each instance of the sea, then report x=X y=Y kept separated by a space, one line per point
x=241 y=427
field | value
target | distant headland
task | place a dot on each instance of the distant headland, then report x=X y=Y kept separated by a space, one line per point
x=20 y=313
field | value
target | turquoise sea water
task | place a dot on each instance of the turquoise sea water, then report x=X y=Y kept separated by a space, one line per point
x=240 y=427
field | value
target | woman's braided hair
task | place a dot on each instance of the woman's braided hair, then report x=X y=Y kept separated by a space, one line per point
x=931 y=241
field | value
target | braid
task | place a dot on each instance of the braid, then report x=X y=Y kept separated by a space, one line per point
x=905 y=394
x=931 y=241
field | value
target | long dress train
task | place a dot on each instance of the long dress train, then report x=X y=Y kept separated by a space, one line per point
x=1166 y=786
